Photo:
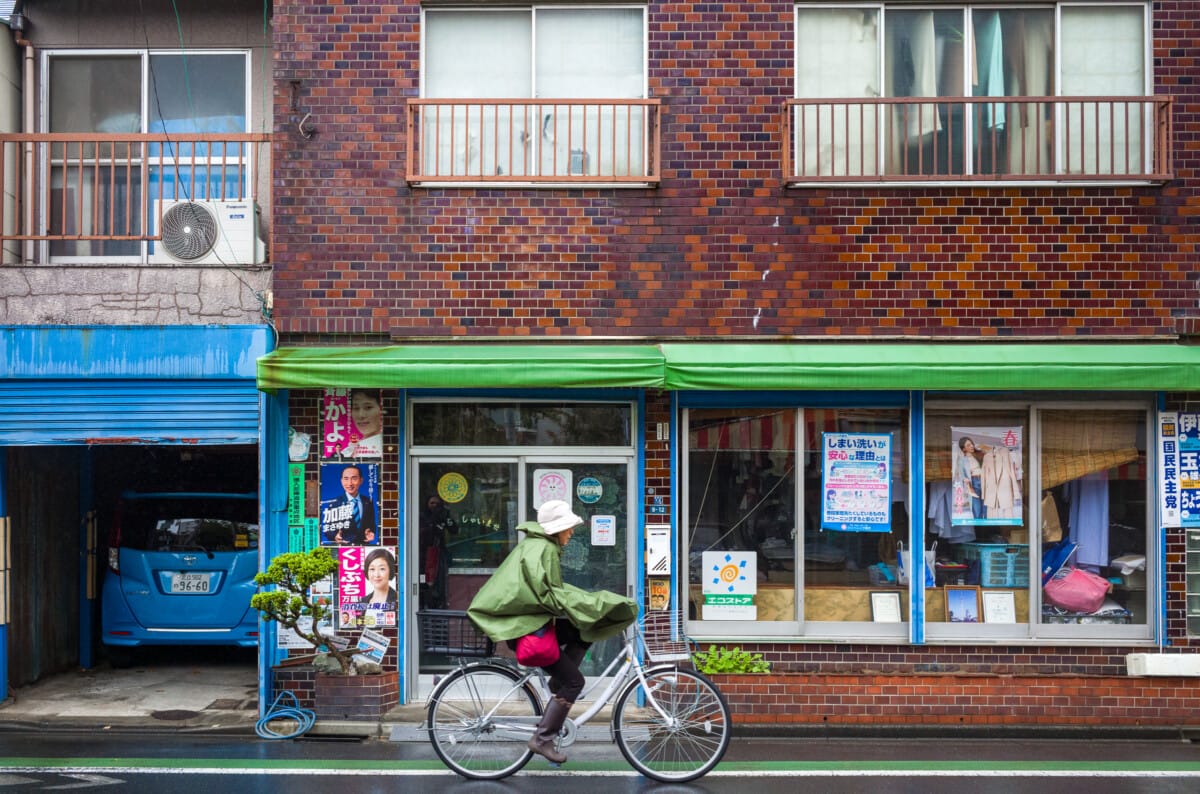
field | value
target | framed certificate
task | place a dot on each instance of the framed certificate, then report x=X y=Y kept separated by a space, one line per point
x=999 y=606
x=885 y=606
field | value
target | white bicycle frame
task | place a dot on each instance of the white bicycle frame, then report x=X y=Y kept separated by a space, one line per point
x=630 y=665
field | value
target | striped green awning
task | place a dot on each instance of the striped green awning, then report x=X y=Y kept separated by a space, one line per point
x=717 y=366
x=464 y=366
x=929 y=366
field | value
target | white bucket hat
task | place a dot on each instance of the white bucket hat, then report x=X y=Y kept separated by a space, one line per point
x=555 y=516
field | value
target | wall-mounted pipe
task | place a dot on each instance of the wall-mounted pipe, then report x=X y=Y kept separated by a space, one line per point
x=17 y=23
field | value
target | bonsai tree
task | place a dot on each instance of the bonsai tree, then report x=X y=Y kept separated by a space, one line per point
x=290 y=603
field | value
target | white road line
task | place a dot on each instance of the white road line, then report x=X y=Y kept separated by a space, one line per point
x=341 y=772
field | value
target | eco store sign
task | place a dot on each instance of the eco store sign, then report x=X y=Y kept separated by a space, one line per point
x=730 y=582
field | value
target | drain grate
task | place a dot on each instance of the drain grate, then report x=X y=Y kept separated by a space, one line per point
x=174 y=714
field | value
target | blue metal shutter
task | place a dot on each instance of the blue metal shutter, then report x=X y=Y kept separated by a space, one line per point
x=159 y=411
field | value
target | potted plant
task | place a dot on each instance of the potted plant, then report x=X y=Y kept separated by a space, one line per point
x=340 y=689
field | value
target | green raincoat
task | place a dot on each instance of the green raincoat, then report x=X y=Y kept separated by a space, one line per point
x=527 y=590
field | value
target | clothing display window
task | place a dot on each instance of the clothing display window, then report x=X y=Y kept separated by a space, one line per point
x=1015 y=495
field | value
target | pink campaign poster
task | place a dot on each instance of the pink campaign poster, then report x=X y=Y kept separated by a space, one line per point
x=352 y=424
x=367 y=596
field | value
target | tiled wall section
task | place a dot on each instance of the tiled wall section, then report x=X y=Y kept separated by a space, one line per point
x=720 y=248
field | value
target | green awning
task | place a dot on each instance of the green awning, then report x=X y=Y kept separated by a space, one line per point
x=818 y=366
x=569 y=365
x=931 y=366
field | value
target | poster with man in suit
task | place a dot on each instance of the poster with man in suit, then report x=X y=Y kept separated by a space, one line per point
x=349 y=495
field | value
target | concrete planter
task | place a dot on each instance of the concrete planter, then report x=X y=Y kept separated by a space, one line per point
x=355 y=697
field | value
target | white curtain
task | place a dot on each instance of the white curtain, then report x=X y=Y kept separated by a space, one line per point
x=1103 y=55
x=583 y=54
x=837 y=55
x=1031 y=61
x=480 y=55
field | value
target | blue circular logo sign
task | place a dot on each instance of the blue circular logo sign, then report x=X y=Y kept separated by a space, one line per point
x=589 y=490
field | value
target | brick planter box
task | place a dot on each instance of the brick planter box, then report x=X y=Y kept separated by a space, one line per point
x=355 y=697
x=340 y=697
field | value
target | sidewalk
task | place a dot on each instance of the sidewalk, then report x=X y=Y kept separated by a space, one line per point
x=207 y=699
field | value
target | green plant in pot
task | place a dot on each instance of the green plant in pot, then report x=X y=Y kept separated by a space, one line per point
x=730 y=661
x=290 y=604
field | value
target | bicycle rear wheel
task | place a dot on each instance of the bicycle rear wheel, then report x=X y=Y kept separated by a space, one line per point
x=480 y=718
x=692 y=737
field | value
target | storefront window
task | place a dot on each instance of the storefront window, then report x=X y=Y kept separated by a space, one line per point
x=977 y=518
x=751 y=550
x=538 y=424
x=741 y=499
x=1013 y=495
x=1093 y=505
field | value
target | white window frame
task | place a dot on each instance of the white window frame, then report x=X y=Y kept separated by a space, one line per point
x=533 y=9
x=1034 y=630
x=968 y=8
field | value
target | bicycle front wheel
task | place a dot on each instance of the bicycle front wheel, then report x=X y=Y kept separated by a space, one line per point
x=680 y=731
x=479 y=720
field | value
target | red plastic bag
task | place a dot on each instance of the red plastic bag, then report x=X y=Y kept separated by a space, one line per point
x=1076 y=590
x=538 y=648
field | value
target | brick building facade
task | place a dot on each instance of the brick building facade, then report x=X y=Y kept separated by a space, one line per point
x=744 y=232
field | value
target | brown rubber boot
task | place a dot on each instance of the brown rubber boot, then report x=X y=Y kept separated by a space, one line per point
x=546 y=735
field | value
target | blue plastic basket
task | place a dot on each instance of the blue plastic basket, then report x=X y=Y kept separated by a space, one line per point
x=1001 y=564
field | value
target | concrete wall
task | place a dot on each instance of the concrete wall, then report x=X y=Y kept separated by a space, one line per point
x=126 y=294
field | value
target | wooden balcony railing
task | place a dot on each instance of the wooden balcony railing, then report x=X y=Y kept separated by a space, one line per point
x=977 y=139
x=523 y=141
x=104 y=187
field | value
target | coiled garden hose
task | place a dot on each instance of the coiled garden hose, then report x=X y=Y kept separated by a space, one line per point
x=285 y=708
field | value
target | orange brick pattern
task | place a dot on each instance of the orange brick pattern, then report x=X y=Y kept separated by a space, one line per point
x=720 y=248
x=961 y=700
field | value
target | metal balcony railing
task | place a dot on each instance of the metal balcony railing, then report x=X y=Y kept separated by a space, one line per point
x=977 y=139
x=531 y=141
x=112 y=188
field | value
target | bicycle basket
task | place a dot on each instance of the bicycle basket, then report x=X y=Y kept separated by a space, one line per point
x=663 y=633
x=450 y=632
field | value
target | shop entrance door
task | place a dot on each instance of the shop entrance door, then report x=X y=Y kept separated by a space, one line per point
x=466 y=511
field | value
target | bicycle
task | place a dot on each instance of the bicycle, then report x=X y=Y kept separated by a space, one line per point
x=670 y=722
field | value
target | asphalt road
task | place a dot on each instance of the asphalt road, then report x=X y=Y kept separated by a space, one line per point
x=142 y=762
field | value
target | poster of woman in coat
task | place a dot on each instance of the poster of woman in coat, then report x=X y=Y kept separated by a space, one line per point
x=986 y=476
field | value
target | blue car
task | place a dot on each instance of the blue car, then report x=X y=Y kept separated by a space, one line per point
x=181 y=571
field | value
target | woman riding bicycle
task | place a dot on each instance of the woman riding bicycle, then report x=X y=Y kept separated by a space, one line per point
x=527 y=591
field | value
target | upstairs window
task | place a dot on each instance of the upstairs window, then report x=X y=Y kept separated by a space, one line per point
x=97 y=186
x=1022 y=92
x=483 y=61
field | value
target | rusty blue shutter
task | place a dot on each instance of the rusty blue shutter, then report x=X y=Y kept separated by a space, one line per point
x=136 y=385
x=130 y=411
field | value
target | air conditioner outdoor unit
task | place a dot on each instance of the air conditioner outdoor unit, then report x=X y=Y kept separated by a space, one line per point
x=206 y=233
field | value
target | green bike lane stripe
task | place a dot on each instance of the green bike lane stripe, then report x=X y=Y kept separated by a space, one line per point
x=377 y=766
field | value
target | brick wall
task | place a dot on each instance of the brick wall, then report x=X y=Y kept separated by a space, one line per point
x=719 y=249
x=961 y=700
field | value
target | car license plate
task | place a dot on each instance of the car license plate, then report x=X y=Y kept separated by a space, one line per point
x=190 y=583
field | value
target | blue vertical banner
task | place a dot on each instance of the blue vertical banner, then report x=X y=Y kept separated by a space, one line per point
x=856 y=482
x=1179 y=468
